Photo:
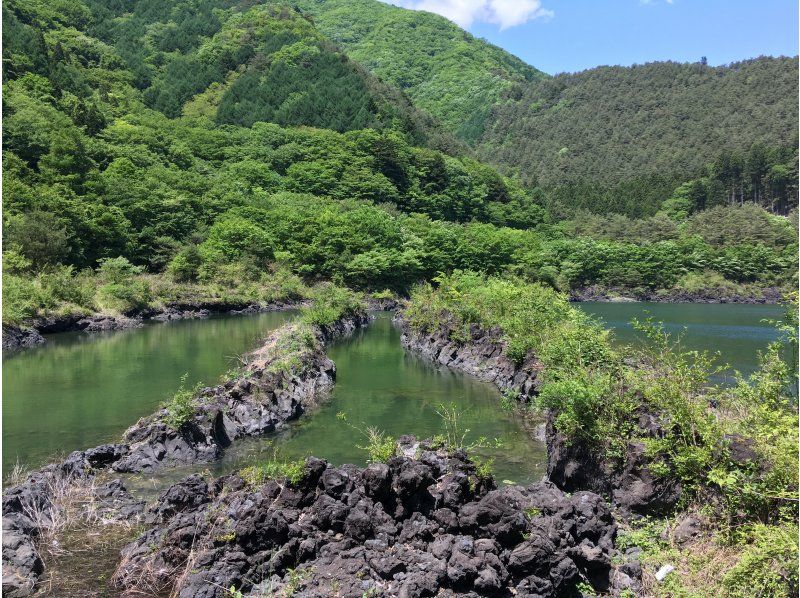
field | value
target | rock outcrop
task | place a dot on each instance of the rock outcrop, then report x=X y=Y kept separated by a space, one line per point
x=630 y=485
x=423 y=524
x=572 y=465
x=16 y=337
x=484 y=354
x=284 y=377
x=282 y=380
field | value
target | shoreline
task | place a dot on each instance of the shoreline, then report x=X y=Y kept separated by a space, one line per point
x=595 y=294
x=17 y=337
x=283 y=379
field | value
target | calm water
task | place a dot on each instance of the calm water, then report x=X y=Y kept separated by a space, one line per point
x=379 y=384
x=737 y=332
x=80 y=390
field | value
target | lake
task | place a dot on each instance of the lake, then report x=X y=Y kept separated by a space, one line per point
x=82 y=390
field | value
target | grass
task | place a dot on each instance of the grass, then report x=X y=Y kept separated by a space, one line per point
x=288 y=348
x=292 y=471
x=331 y=303
x=62 y=291
x=380 y=447
x=760 y=560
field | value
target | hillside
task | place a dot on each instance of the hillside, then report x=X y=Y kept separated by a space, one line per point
x=236 y=63
x=445 y=70
x=642 y=130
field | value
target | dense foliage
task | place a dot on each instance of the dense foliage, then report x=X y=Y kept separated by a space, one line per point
x=621 y=139
x=96 y=169
x=444 y=70
x=92 y=173
x=597 y=395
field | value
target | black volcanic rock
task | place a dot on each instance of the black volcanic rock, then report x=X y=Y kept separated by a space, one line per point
x=395 y=529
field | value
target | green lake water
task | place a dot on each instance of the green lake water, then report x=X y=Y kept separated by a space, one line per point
x=81 y=390
x=736 y=332
x=379 y=384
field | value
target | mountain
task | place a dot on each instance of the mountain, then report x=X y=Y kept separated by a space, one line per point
x=642 y=129
x=129 y=129
x=609 y=139
x=446 y=71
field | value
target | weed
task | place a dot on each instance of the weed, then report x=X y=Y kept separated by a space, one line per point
x=274 y=468
x=380 y=446
x=181 y=407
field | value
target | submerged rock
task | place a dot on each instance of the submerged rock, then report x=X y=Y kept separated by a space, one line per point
x=415 y=526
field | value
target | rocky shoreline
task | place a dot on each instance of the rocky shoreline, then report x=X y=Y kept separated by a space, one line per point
x=19 y=337
x=425 y=523
x=282 y=379
x=572 y=466
x=767 y=296
x=483 y=355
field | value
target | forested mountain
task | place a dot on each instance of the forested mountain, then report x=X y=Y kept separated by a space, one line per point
x=445 y=70
x=217 y=142
x=621 y=139
x=231 y=62
x=96 y=168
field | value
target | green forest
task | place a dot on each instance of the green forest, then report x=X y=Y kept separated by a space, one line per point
x=213 y=142
x=622 y=139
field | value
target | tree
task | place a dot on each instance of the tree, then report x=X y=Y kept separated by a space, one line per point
x=40 y=236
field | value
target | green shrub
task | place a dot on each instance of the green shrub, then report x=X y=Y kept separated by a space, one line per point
x=329 y=304
x=185 y=266
x=181 y=407
x=256 y=475
x=19 y=299
x=768 y=565
x=124 y=297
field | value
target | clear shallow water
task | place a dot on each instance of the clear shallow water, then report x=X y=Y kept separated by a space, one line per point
x=379 y=384
x=80 y=390
x=736 y=332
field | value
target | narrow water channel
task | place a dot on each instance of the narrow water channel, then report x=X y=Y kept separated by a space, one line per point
x=379 y=384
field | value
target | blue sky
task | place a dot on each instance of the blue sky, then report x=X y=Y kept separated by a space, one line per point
x=572 y=35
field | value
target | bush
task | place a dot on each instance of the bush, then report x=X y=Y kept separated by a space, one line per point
x=768 y=566
x=293 y=471
x=185 y=266
x=181 y=407
x=19 y=299
x=124 y=297
x=329 y=304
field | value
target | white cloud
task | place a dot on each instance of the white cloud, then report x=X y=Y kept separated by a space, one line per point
x=505 y=13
